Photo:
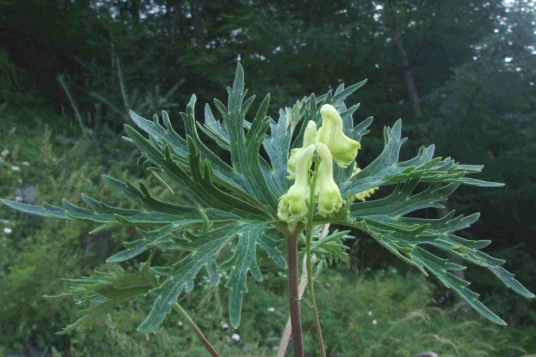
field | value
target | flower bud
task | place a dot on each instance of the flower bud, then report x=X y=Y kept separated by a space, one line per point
x=329 y=196
x=291 y=164
x=343 y=149
x=309 y=138
x=293 y=204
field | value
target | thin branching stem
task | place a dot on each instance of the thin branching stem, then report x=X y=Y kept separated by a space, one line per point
x=196 y=329
x=309 y=258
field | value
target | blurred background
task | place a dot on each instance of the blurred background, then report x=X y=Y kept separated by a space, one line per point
x=460 y=73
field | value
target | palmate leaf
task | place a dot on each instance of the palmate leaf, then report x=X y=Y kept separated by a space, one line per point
x=386 y=169
x=407 y=238
x=203 y=248
x=152 y=212
x=236 y=199
x=384 y=218
x=245 y=149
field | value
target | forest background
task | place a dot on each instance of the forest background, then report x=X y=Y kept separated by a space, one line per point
x=461 y=74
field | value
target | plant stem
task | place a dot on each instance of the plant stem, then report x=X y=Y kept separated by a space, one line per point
x=309 y=238
x=282 y=349
x=196 y=329
x=293 y=291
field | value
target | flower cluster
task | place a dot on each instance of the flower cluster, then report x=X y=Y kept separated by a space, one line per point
x=330 y=144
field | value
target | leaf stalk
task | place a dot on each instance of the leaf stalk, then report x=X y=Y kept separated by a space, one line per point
x=196 y=329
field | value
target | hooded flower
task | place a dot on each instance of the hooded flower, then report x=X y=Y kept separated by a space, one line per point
x=293 y=204
x=343 y=149
x=309 y=137
x=329 y=196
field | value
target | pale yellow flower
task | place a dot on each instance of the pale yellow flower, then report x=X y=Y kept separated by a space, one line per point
x=329 y=196
x=309 y=138
x=343 y=149
x=293 y=204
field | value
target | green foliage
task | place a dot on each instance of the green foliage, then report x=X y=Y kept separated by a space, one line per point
x=477 y=107
x=383 y=312
x=329 y=249
x=241 y=201
x=37 y=252
x=408 y=321
x=8 y=76
x=106 y=291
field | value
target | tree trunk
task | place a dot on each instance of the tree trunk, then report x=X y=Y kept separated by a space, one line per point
x=408 y=75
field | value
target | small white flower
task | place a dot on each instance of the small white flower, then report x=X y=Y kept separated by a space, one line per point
x=18 y=199
x=15 y=168
x=19 y=180
x=235 y=337
x=370 y=313
x=7 y=230
x=25 y=163
x=271 y=309
x=180 y=324
x=5 y=152
x=225 y=326
x=374 y=322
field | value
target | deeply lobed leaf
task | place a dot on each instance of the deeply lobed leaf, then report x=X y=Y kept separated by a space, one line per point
x=239 y=201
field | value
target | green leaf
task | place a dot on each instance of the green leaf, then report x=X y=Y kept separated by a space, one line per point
x=48 y=211
x=242 y=261
x=341 y=93
x=459 y=285
x=406 y=237
x=330 y=248
x=198 y=184
x=139 y=246
x=104 y=291
x=245 y=149
x=277 y=147
x=386 y=170
x=203 y=248
x=400 y=202
x=159 y=137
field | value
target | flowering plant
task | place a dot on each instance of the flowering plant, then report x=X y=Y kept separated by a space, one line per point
x=309 y=180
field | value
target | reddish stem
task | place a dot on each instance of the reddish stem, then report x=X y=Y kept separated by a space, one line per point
x=293 y=289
